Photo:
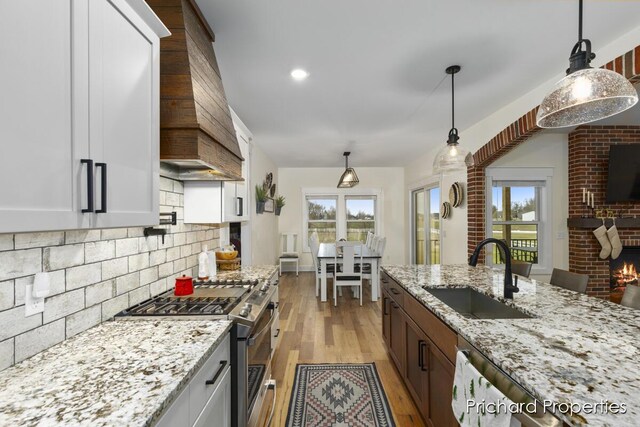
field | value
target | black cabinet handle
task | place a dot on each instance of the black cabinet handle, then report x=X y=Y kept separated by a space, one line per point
x=395 y=291
x=89 y=164
x=384 y=307
x=213 y=380
x=277 y=333
x=103 y=188
x=422 y=346
x=394 y=305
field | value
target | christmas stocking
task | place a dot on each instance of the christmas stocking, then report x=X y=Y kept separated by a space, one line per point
x=601 y=235
x=614 y=238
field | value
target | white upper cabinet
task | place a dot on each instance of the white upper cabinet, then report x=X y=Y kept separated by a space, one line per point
x=80 y=89
x=124 y=114
x=43 y=125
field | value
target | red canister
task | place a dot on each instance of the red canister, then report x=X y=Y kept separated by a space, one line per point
x=184 y=286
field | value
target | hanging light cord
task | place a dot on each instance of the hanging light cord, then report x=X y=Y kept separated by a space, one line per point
x=453 y=101
x=580 y=22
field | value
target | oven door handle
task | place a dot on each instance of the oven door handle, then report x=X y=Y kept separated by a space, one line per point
x=252 y=339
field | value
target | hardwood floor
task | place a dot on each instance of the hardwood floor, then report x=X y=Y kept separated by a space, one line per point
x=316 y=332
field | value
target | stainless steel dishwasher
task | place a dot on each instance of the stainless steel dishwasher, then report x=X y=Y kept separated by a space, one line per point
x=508 y=387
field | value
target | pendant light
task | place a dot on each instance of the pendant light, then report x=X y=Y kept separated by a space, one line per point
x=586 y=94
x=349 y=178
x=452 y=157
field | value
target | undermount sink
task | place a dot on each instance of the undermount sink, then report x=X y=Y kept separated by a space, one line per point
x=476 y=305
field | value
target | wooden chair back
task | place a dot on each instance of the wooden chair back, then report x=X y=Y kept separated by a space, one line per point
x=631 y=297
x=521 y=268
x=568 y=280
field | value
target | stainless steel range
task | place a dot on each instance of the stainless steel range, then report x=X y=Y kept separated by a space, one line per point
x=253 y=305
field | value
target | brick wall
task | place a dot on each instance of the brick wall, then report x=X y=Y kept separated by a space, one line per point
x=94 y=275
x=588 y=168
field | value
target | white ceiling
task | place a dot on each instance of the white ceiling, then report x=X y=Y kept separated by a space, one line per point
x=377 y=67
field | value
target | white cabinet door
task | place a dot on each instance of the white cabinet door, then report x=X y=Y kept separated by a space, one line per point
x=217 y=411
x=124 y=114
x=43 y=120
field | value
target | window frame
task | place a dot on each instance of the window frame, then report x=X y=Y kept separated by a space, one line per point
x=348 y=197
x=326 y=221
x=544 y=204
x=341 y=210
x=424 y=186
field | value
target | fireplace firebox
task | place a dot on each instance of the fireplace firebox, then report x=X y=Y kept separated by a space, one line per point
x=625 y=270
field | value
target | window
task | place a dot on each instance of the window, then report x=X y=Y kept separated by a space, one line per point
x=519 y=212
x=515 y=217
x=361 y=217
x=321 y=215
x=426 y=228
x=341 y=213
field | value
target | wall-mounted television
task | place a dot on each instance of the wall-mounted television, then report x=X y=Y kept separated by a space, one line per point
x=623 y=184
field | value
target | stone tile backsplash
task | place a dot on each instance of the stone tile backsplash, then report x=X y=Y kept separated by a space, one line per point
x=94 y=275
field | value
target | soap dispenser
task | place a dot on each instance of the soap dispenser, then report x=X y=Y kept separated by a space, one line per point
x=203 y=264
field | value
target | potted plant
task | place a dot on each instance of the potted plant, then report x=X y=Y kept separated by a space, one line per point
x=279 y=204
x=261 y=198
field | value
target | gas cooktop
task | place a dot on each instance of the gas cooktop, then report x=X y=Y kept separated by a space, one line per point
x=211 y=297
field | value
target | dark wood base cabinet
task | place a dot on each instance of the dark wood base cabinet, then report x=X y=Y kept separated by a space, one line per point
x=427 y=369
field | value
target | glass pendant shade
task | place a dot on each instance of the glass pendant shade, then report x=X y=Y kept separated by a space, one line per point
x=452 y=157
x=585 y=96
x=348 y=179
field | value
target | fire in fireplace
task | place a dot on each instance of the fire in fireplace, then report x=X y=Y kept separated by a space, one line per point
x=623 y=271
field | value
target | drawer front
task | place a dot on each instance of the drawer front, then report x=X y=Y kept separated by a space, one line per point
x=443 y=336
x=217 y=412
x=395 y=291
x=199 y=390
x=177 y=415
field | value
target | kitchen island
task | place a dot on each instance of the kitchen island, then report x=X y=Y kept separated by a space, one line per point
x=118 y=373
x=575 y=348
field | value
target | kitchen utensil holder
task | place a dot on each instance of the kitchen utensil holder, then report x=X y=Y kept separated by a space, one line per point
x=166 y=218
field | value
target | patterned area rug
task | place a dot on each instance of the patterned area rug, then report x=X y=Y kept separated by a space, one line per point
x=336 y=395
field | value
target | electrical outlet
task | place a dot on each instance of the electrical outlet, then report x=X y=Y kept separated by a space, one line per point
x=32 y=305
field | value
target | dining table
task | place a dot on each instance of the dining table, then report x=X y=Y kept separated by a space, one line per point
x=327 y=255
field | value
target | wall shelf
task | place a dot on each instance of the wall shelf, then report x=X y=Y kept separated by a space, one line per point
x=594 y=223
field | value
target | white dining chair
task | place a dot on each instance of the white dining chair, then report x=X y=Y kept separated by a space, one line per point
x=289 y=247
x=382 y=243
x=374 y=242
x=351 y=254
x=314 y=245
x=367 y=243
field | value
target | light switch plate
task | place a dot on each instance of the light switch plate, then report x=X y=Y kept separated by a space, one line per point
x=32 y=305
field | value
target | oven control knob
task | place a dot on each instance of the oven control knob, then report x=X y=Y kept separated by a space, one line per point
x=246 y=309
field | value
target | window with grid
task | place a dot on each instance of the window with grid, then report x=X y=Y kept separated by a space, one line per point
x=361 y=217
x=515 y=218
x=321 y=217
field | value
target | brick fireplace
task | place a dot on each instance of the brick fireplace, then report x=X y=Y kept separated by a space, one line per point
x=588 y=168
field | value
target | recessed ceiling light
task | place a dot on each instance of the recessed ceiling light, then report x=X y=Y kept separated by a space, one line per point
x=299 y=74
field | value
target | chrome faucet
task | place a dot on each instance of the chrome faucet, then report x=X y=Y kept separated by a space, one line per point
x=509 y=288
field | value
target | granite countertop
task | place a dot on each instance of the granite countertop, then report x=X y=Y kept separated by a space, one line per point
x=118 y=373
x=577 y=348
x=252 y=272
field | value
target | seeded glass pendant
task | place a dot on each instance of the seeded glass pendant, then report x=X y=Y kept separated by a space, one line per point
x=349 y=178
x=452 y=157
x=586 y=94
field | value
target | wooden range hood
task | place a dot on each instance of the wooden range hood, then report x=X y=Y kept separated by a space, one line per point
x=197 y=137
